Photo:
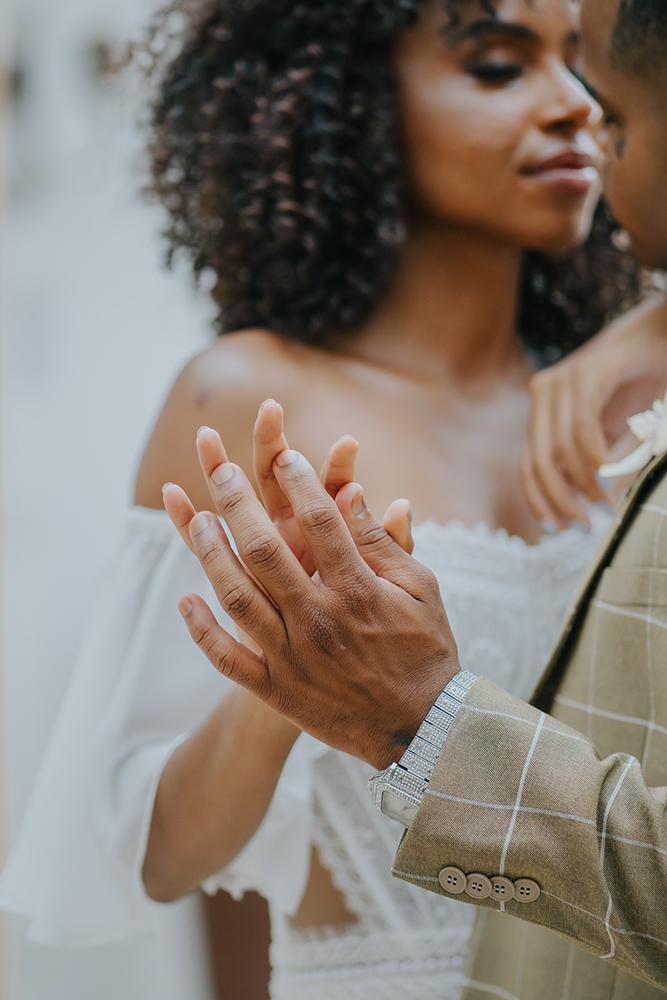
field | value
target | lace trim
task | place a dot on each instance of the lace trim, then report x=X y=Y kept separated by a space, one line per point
x=366 y=967
x=442 y=985
x=388 y=983
x=342 y=950
x=500 y=537
x=345 y=877
x=559 y=557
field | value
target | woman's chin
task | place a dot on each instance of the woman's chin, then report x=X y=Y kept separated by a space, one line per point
x=561 y=240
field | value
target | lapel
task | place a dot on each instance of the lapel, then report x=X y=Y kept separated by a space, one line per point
x=547 y=684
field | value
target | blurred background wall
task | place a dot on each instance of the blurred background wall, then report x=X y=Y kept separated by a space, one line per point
x=93 y=331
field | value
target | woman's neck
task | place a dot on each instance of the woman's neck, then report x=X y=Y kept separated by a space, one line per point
x=451 y=312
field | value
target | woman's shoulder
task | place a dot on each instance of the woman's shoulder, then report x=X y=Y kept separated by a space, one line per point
x=223 y=387
x=238 y=365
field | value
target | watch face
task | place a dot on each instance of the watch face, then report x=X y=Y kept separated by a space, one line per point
x=397 y=807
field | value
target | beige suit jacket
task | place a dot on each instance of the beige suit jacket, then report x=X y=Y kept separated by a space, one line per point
x=574 y=799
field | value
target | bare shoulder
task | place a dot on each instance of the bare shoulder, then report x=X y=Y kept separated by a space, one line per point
x=222 y=387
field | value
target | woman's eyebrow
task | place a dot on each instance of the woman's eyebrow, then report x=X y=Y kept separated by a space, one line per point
x=493 y=26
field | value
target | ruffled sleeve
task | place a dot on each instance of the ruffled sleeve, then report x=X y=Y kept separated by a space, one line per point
x=140 y=686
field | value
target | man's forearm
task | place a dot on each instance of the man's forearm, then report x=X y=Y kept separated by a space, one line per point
x=519 y=795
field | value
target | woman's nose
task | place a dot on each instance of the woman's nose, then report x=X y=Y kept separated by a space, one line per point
x=572 y=107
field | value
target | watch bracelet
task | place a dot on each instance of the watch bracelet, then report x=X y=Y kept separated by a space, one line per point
x=409 y=778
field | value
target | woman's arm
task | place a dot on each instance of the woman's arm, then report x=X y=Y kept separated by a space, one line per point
x=214 y=793
x=217 y=786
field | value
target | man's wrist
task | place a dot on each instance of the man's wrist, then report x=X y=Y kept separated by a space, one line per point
x=399 y=790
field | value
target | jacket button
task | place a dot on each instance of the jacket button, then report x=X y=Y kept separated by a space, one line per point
x=502 y=888
x=478 y=886
x=452 y=879
x=525 y=890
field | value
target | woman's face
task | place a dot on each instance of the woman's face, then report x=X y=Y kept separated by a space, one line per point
x=499 y=133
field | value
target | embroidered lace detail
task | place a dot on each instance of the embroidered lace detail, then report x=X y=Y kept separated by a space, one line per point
x=505 y=601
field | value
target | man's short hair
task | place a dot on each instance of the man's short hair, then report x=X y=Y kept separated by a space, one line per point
x=639 y=40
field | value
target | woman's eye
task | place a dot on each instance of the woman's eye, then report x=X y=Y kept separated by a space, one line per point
x=495 y=72
x=584 y=83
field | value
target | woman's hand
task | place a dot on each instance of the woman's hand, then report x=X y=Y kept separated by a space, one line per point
x=579 y=409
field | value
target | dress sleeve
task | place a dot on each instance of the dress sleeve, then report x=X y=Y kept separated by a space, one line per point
x=139 y=687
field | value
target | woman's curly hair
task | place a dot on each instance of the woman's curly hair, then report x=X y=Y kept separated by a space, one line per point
x=276 y=150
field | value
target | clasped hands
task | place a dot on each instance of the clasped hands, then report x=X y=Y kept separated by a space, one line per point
x=352 y=640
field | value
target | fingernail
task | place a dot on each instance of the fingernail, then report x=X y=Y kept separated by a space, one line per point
x=549 y=527
x=345 y=437
x=204 y=428
x=286 y=457
x=265 y=403
x=604 y=483
x=359 y=507
x=410 y=517
x=200 y=524
x=185 y=606
x=165 y=487
x=580 y=526
x=222 y=474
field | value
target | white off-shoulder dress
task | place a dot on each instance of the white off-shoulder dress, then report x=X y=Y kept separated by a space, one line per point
x=141 y=685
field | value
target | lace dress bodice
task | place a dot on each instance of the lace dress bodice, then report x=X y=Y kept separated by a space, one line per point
x=505 y=601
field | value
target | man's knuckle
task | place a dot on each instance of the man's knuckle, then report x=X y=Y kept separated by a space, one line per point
x=374 y=536
x=263 y=550
x=424 y=585
x=208 y=550
x=229 y=499
x=226 y=663
x=318 y=517
x=428 y=580
x=201 y=633
x=238 y=601
x=358 y=595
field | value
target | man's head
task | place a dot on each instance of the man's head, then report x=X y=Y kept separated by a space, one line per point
x=625 y=51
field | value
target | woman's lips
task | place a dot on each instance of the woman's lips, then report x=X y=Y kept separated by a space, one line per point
x=570 y=171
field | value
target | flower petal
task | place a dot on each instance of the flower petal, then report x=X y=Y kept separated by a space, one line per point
x=659 y=437
x=642 y=425
x=631 y=463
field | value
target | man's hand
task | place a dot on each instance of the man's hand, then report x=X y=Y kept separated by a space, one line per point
x=355 y=655
x=579 y=409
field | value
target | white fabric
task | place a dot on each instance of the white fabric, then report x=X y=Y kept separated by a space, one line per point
x=141 y=685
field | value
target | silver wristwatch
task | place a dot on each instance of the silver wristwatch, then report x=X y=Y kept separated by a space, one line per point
x=398 y=791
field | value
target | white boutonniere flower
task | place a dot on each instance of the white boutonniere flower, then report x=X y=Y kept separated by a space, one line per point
x=651 y=429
